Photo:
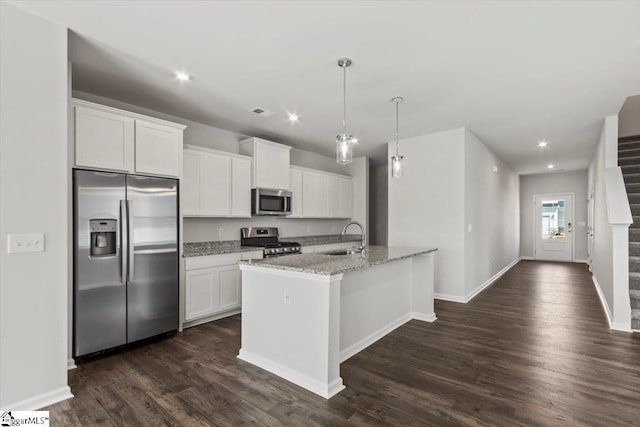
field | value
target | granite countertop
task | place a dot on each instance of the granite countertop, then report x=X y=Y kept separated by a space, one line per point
x=233 y=246
x=322 y=264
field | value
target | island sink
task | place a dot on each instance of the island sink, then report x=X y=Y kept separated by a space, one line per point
x=352 y=251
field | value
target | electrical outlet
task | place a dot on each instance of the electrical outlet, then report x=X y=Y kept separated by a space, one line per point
x=220 y=232
x=469 y=228
x=287 y=296
x=33 y=242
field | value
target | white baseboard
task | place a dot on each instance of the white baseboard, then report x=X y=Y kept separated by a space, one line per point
x=527 y=258
x=489 y=282
x=424 y=317
x=449 y=297
x=603 y=300
x=325 y=390
x=492 y=279
x=581 y=261
x=71 y=364
x=190 y=323
x=40 y=401
x=622 y=327
x=365 y=342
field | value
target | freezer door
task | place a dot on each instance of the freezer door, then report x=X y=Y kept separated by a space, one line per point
x=152 y=291
x=99 y=288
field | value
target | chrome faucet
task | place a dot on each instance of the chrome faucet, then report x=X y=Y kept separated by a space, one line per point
x=363 y=241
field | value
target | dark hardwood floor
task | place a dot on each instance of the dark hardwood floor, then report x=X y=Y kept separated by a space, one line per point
x=533 y=349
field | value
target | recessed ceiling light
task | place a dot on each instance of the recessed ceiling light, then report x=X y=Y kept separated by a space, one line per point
x=181 y=75
x=543 y=144
x=550 y=166
x=354 y=140
x=293 y=117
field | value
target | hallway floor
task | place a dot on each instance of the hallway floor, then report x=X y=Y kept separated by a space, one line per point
x=533 y=349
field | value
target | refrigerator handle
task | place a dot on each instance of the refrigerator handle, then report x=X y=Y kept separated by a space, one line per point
x=130 y=239
x=124 y=241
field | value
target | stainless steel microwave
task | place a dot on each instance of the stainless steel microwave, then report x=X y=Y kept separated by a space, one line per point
x=267 y=201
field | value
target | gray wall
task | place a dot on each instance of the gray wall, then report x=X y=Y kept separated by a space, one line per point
x=629 y=117
x=491 y=206
x=561 y=182
x=378 y=204
x=33 y=199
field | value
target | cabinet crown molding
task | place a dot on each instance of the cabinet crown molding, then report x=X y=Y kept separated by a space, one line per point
x=214 y=151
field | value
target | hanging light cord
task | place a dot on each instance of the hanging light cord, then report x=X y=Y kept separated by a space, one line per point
x=344 y=99
x=397 y=102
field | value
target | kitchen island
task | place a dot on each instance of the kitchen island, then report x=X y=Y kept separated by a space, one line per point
x=302 y=315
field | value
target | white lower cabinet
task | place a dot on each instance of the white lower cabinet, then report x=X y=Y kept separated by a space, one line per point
x=213 y=285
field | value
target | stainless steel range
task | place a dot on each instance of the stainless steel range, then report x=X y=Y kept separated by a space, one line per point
x=267 y=238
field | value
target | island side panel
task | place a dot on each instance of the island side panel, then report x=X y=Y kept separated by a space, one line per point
x=291 y=326
x=374 y=301
x=422 y=285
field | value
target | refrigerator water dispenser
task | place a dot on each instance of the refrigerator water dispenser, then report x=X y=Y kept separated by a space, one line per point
x=102 y=233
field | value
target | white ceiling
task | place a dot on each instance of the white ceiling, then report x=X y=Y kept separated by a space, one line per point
x=513 y=73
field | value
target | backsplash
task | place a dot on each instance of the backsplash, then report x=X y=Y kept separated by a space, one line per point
x=217 y=229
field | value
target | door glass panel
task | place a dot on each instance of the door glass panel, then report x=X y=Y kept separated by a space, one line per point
x=553 y=224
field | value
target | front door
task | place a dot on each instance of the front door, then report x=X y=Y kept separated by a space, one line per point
x=553 y=227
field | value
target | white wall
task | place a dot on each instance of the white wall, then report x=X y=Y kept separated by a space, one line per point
x=378 y=194
x=426 y=205
x=33 y=198
x=608 y=246
x=448 y=184
x=208 y=229
x=491 y=210
x=562 y=182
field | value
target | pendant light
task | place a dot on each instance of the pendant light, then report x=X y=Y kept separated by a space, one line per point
x=344 y=141
x=396 y=161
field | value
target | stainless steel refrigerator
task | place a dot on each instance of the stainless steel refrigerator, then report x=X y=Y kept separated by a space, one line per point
x=125 y=259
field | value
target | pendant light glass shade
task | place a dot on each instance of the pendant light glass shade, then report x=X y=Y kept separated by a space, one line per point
x=396 y=161
x=344 y=149
x=396 y=166
x=344 y=141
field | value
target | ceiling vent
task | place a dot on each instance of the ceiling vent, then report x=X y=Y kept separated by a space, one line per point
x=261 y=112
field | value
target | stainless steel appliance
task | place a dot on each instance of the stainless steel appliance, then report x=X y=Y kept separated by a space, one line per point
x=267 y=201
x=125 y=259
x=267 y=238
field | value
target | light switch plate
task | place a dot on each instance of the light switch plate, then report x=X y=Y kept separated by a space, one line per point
x=18 y=243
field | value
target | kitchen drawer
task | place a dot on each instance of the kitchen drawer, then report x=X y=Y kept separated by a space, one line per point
x=211 y=261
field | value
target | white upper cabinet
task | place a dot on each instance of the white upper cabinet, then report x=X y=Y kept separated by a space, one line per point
x=295 y=180
x=190 y=190
x=110 y=139
x=104 y=140
x=240 y=187
x=158 y=149
x=319 y=194
x=215 y=183
x=345 y=189
x=270 y=163
x=315 y=187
